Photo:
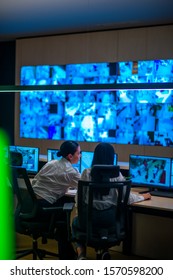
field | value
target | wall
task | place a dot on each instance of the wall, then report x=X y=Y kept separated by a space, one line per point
x=7 y=77
x=105 y=46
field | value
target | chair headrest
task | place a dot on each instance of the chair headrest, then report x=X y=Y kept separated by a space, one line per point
x=16 y=158
x=103 y=173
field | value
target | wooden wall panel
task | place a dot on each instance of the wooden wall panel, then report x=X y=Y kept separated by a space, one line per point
x=102 y=46
x=160 y=42
x=132 y=44
x=116 y=45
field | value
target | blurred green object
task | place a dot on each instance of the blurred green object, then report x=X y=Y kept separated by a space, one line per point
x=7 y=233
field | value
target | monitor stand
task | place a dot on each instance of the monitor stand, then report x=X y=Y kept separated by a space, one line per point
x=162 y=193
x=145 y=191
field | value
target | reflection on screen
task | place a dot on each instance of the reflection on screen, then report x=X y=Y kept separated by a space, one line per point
x=30 y=157
x=52 y=155
x=150 y=171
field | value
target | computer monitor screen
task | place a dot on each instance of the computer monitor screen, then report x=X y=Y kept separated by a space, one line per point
x=52 y=155
x=172 y=173
x=6 y=153
x=146 y=116
x=115 y=159
x=87 y=157
x=150 y=171
x=86 y=160
x=30 y=157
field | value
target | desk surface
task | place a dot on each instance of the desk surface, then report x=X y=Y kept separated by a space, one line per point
x=156 y=202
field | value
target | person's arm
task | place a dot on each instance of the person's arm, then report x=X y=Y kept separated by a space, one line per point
x=146 y=196
x=135 y=197
x=74 y=180
x=138 y=197
x=70 y=178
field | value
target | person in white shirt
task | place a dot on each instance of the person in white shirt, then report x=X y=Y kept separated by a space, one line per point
x=56 y=176
x=103 y=154
x=50 y=185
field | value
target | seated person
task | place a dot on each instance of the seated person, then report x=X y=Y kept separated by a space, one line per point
x=104 y=154
x=51 y=183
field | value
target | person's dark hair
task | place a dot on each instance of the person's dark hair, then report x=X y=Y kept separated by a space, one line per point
x=103 y=154
x=67 y=147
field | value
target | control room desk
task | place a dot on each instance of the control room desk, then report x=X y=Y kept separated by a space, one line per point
x=152 y=228
x=151 y=234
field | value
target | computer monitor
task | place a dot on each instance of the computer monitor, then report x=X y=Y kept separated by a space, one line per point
x=87 y=157
x=30 y=157
x=6 y=153
x=172 y=174
x=52 y=155
x=150 y=171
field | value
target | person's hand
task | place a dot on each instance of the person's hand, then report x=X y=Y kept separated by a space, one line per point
x=146 y=196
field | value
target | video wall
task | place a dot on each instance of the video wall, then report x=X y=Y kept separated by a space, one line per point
x=142 y=117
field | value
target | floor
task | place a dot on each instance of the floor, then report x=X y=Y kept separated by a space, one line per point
x=24 y=242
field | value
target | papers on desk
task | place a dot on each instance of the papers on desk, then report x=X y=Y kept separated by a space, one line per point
x=71 y=191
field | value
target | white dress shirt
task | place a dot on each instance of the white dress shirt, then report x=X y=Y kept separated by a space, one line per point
x=53 y=180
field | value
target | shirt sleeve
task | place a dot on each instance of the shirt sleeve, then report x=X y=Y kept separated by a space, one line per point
x=75 y=180
x=132 y=196
x=72 y=178
x=86 y=174
x=135 y=198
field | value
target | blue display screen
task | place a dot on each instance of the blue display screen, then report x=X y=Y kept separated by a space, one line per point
x=140 y=117
x=30 y=157
x=150 y=171
x=87 y=157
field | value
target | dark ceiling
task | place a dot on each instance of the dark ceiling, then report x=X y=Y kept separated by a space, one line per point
x=30 y=18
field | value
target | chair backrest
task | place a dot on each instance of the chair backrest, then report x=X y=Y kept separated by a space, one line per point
x=103 y=173
x=31 y=218
x=88 y=192
x=25 y=196
x=16 y=158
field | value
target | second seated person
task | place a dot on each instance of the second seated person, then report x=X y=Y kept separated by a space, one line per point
x=51 y=183
x=103 y=154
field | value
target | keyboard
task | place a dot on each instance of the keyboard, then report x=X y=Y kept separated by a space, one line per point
x=31 y=176
x=162 y=193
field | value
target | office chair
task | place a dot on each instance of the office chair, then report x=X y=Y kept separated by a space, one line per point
x=97 y=236
x=27 y=222
x=16 y=158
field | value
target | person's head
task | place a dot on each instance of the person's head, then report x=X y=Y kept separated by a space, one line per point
x=70 y=150
x=103 y=154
